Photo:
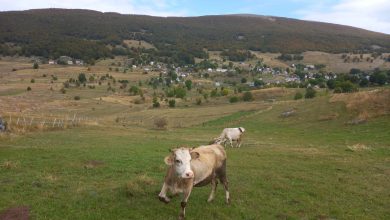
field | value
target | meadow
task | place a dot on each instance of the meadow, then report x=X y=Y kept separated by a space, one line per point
x=315 y=164
x=298 y=167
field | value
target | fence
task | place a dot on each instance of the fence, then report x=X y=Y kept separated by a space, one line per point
x=17 y=123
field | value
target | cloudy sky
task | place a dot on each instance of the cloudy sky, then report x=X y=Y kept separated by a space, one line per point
x=368 y=14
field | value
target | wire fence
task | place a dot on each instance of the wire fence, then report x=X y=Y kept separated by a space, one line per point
x=21 y=122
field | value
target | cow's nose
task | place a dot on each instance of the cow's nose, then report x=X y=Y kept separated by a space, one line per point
x=189 y=174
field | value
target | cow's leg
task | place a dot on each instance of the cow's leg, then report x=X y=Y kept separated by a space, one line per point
x=163 y=194
x=239 y=143
x=226 y=186
x=186 y=195
x=224 y=181
x=231 y=142
x=214 y=183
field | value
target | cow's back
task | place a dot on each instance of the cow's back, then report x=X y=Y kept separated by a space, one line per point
x=211 y=158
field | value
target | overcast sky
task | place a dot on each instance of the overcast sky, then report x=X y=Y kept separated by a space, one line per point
x=368 y=14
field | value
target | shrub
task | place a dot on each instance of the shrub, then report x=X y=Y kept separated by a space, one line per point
x=36 y=66
x=29 y=88
x=160 y=123
x=243 y=80
x=156 y=104
x=233 y=99
x=172 y=103
x=82 y=78
x=138 y=101
x=32 y=81
x=63 y=90
x=76 y=97
x=224 y=92
x=214 y=93
x=188 y=84
x=310 y=93
x=258 y=83
x=134 y=90
x=180 y=92
x=298 y=95
x=347 y=86
x=247 y=97
x=199 y=101
x=338 y=90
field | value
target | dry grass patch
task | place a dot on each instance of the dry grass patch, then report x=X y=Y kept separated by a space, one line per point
x=271 y=93
x=328 y=117
x=365 y=104
x=358 y=147
x=93 y=164
x=139 y=185
x=9 y=164
x=139 y=44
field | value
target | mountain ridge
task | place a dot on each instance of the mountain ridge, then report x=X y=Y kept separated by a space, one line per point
x=41 y=29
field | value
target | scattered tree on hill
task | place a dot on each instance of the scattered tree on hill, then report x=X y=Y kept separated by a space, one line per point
x=247 y=97
x=233 y=99
x=156 y=104
x=298 y=95
x=134 y=90
x=82 y=78
x=188 y=84
x=310 y=93
x=172 y=103
x=36 y=65
x=160 y=123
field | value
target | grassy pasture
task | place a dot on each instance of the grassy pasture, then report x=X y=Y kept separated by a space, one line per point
x=299 y=167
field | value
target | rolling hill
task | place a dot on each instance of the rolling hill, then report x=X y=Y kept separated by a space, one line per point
x=85 y=33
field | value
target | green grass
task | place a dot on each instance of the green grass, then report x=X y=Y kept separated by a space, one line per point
x=288 y=168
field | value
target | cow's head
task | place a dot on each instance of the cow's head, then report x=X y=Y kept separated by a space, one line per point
x=180 y=159
x=217 y=140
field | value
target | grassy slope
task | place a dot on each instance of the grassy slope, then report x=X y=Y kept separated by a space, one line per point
x=292 y=168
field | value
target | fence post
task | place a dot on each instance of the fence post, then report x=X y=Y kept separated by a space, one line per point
x=54 y=122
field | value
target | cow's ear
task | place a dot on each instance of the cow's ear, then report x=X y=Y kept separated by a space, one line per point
x=168 y=160
x=194 y=155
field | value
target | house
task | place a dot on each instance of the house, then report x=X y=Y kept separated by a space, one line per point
x=310 y=67
x=65 y=60
x=217 y=84
x=251 y=84
x=79 y=62
x=52 y=62
x=221 y=70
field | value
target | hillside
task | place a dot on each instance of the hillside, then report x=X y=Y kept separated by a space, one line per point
x=84 y=34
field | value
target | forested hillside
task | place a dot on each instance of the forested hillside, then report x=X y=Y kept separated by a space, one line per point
x=85 y=34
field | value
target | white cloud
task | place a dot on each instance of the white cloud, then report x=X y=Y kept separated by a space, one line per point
x=367 y=14
x=151 y=7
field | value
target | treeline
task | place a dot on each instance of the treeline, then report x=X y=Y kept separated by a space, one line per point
x=290 y=57
x=237 y=55
x=84 y=34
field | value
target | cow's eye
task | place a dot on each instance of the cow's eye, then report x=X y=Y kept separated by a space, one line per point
x=177 y=161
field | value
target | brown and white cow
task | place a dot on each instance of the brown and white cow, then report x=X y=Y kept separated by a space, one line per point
x=189 y=167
